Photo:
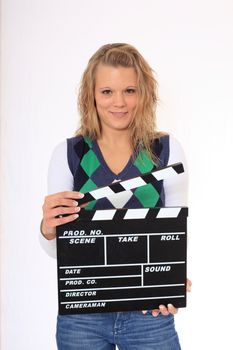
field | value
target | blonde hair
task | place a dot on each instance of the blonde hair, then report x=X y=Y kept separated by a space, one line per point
x=143 y=127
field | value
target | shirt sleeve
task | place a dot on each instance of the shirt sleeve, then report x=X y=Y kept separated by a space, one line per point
x=176 y=187
x=60 y=179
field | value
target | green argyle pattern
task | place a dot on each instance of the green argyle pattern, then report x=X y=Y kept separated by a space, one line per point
x=90 y=176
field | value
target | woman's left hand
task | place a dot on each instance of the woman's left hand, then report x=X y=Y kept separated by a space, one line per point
x=169 y=309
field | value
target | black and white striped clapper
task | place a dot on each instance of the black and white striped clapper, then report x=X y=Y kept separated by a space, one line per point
x=133 y=183
x=122 y=260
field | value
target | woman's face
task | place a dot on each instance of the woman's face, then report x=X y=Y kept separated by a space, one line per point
x=116 y=96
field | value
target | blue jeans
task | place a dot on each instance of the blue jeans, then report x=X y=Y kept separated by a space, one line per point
x=127 y=330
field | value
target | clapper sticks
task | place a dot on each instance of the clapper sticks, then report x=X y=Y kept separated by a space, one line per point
x=123 y=259
x=131 y=184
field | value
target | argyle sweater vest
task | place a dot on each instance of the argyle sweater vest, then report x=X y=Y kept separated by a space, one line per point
x=90 y=171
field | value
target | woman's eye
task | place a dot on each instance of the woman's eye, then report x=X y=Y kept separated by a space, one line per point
x=106 y=92
x=130 y=91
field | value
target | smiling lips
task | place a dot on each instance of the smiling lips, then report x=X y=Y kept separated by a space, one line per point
x=119 y=114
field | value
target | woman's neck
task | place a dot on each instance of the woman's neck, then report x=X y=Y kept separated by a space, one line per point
x=116 y=150
x=116 y=139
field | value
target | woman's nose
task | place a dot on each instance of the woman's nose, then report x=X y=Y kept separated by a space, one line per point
x=119 y=100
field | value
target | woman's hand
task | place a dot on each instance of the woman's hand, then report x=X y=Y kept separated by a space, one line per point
x=170 y=309
x=58 y=209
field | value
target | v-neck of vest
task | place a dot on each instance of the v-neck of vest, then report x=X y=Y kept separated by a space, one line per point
x=100 y=156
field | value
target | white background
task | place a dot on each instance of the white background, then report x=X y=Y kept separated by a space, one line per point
x=45 y=48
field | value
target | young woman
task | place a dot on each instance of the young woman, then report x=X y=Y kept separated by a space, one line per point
x=117 y=139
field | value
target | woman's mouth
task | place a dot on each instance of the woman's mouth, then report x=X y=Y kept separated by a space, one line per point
x=119 y=114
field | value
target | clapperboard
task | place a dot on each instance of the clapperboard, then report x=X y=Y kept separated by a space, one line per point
x=123 y=259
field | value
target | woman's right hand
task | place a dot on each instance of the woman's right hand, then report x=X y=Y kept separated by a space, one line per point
x=55 y=207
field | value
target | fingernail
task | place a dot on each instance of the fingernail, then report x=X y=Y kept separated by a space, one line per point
x=75 y=203
x=81 y=195
x=155 y=313
x=75 y=216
